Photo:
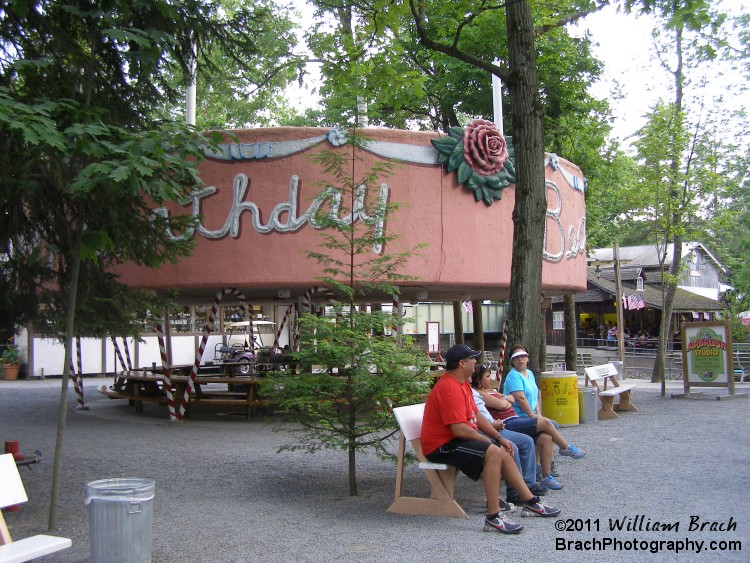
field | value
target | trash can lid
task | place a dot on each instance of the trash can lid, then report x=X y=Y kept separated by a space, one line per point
x=126 y=488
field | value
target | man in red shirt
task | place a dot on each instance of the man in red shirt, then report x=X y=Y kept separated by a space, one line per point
x=451 y=435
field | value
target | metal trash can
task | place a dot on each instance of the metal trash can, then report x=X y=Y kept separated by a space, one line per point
x=587 y=404
x=121 y=514
x=620 y=371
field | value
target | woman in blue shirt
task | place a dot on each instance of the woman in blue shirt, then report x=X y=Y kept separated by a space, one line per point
x=521 y=385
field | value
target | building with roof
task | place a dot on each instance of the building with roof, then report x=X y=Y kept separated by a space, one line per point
x=257 y=223
x=697 y=296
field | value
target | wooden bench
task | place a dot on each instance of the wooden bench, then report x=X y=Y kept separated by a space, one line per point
x=600 y=377
x=12 y=492
x=741 y=363
x=442 y=478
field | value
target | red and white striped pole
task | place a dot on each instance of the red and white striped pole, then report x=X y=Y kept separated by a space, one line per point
x=127 y=353
x=165 y=371
x=119 y=379
x=503 y=344
x=208 y=327
x=307 y=297
x=396 y=314
x=76 y=386
x=79 y=380
x=281 y=326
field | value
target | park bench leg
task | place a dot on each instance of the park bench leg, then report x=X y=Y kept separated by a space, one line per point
x=416 y=506
x=607 y=412
x=441 y=501
x=625 y=404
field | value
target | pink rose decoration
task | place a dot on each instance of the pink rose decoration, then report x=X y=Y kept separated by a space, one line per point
x=485 y=149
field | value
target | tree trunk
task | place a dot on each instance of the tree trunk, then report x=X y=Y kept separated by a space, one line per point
x=529 y=211
x=63 y=406
x=665 y=332
x=476 y=313
x=353 y=492
x=571 y=349
x=666 y=328
x=458 y=322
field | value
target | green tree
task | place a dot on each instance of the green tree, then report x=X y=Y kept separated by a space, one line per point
x=441 y=31
x=350 y=371
x=247 y=91
x=445 y=51
x=690 y=36
x=88 y=154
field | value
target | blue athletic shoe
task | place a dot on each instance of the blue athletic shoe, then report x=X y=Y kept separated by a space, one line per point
x=551 y=483
x=573 y=452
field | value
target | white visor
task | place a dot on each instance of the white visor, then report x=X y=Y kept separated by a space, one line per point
x=518 y=353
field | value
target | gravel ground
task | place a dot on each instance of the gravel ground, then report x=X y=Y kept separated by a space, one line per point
x=224 y=494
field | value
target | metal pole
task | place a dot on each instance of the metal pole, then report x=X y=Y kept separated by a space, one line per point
x=191 y=89
x=497 y=100
x=618 y=302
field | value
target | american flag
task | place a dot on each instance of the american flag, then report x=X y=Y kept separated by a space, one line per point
x=635 y=302
x=468 y=306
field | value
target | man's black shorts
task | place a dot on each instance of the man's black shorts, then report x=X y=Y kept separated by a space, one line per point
x=466 y=455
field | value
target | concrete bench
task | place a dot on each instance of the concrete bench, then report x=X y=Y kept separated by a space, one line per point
x=12 y=493
x=442 y=478
x=600 y=378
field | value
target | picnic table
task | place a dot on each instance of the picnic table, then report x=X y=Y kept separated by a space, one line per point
x=224 y=389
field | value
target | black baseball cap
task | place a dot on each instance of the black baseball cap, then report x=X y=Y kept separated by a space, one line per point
x=460 y=352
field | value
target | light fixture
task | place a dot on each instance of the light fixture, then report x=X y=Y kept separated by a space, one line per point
x=422 y=295
x=283 y=294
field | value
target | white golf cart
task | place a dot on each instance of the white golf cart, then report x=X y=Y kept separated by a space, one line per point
x=245 y=344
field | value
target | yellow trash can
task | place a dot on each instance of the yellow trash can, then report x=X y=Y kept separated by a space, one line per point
x=559 y=392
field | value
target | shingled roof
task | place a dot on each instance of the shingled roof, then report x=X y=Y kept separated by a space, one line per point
x=627 y=273
x=602 y=289
x=684 y=301
x=647 y=257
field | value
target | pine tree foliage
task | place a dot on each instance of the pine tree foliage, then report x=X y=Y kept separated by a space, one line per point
x=350 y=369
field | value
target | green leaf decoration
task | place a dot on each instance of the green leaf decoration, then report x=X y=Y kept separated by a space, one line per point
x=456 y=158
x=457 y=133
x=464 y=172
x=444 y=145
x=494 y=182
x=510 y=171
x=475 y=184
x=487 y=189
x=487 y=196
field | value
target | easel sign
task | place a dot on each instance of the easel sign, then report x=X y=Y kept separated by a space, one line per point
x=433 y=341
x=707 y=357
